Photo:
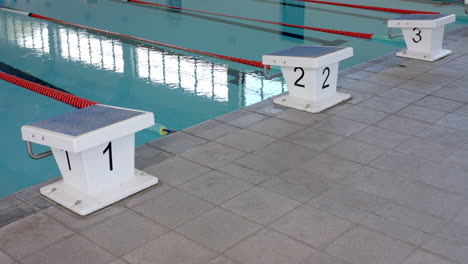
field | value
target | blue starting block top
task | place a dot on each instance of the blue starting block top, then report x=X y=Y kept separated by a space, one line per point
x=306 y=51
x=85 y=120
x=420 y=17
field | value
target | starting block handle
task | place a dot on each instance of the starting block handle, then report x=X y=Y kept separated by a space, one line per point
x=36 y=156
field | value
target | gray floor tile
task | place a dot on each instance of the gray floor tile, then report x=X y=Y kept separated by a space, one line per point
x=363 y=114
x=213 y=154
x=344 y=81
x=462 y=216
x=404 y=164
x=31 y=234
x=405 y=71
x=360 y=75
x=453 y=232
x=215 y=187
x=444 y=135
x=15 y=213
x=448 y=249
x=367 y=87
x=330 y=166
x=276 y=152
x=438 y=103
x=453 y=92
x=244 y=173
x=246 y=140
x=434 y=79
x=276 y=127
x=339 y=209
x=211 y=129
x=339 y=107
x=380 y=137
x=462 y=110
x=315 y=182
x=9 y=201
x=170 y=249
x=356 y=151
x=269 y=247
x=410 y=217
x=430 y=199
x=363 y=246
x=454 y=121
x=5 y=259
x=177 y=143
x=402 y=95
x=322 y=258
x=340 y=126
x=65 y=251
x=419 y=87
x=267 y=108
x=314 y=139
x=425 y=149
x=458 y=159
x=218 y=229
x=447 y=72
x=262 y=165
x=422 y=257
x=356 y=98
x=294 y=191
x=385 y=79
x=124 y=232
x=146 y=194
x=301 y=117
x=146 y=155
x=260 y=205
x=422 y=113
x=395 y=230
x=377 y=182
x=384 y=104
x=222 y=260
x=79 y=223
x=176 y=171
x=449 y=178
x=311 y=226
x=241 y=118
x=403 y=125
x=348 y=195
x=173 y=208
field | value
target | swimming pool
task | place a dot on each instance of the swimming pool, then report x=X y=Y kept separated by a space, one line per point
x=181 y=88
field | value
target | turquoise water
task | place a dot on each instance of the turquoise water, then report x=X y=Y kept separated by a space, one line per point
x=180 y=88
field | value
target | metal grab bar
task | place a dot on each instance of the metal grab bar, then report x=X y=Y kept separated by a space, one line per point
x=269 y=77
x=38 y=156
x=393 y=36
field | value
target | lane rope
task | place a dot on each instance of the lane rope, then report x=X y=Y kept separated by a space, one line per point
x=325 y=30
x=383 y=9
x=69 y=99
x=252 y=63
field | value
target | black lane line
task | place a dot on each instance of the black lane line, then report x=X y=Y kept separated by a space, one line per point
x=326 y=10
x=6 y=68
x=336 y=42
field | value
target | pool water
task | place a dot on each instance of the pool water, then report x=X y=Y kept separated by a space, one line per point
x=180 y=88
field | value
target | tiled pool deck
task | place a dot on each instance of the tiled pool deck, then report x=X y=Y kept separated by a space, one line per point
x=381 y=179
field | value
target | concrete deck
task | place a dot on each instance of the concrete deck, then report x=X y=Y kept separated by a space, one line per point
x=381 y=179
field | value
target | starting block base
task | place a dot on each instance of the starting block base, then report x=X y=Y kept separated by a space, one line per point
x=433 y=56
x=311 y=106
x=84 y=204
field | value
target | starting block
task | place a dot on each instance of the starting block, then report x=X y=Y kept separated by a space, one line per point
x=94 y=148
x=423 y=35
x=311 y=74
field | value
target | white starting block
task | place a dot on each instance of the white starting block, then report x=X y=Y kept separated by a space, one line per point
x=94 y=148
x=311 y=74
x=423 y=35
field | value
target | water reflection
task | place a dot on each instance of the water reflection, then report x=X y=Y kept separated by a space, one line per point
x=154 y=65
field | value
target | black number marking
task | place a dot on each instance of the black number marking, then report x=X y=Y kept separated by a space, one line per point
x=109 y=148
x=68 y=160
x=325 y=84
x=300 y=77
x=417 y=34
